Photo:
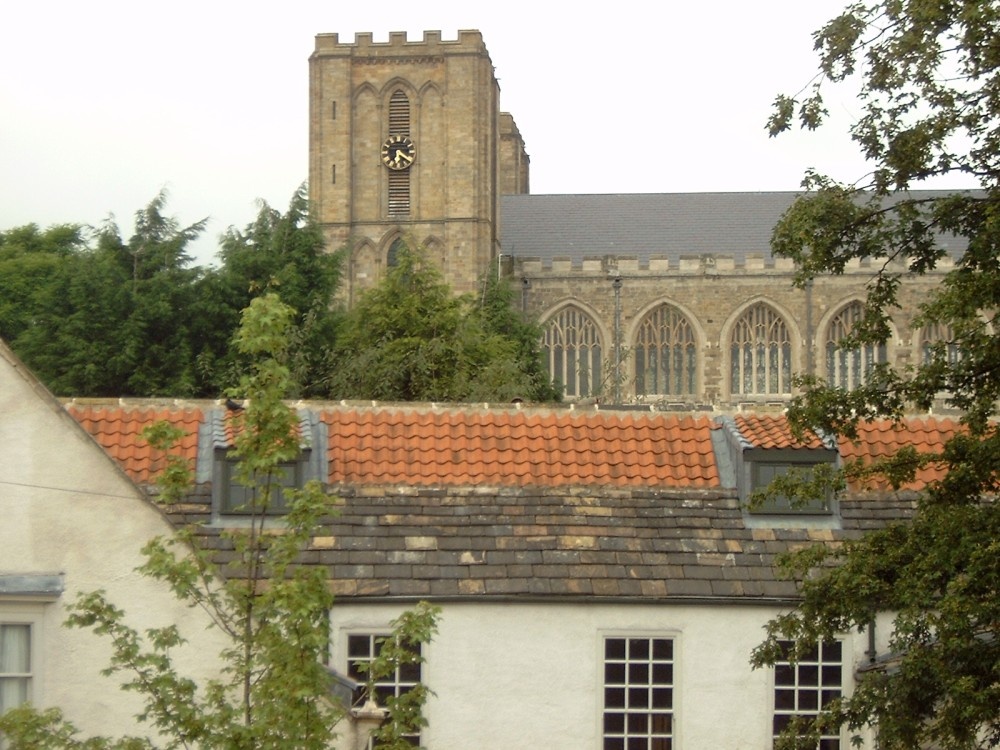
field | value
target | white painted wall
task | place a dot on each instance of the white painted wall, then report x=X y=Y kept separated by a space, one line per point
x=511 y=675
x=66 y=508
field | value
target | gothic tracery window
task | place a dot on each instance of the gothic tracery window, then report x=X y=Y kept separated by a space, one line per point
x=849 y=368
x=938 y=335
x=760 y=353
x=666 y=356
x=571 y=345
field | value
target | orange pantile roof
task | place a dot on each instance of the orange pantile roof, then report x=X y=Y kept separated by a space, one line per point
x=773 y=431
x=118 y=430
x=419 y=446
x=882 y=438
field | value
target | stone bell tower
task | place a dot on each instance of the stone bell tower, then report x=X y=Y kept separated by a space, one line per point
x=407 y=144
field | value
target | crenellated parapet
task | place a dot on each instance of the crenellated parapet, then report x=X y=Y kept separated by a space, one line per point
x=399 y=45
x=695 y=265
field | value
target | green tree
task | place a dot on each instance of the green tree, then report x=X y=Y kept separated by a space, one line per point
x=929 y=78
x=281 y=252
x=273 y=691
x=410 y=338
x=110 y=319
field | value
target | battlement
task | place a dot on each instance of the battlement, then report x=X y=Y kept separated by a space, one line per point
x=430 y=43
x=706 y=265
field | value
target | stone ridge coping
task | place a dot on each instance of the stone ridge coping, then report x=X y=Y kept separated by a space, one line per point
x=469 y=39
x=586 y=406
x=577 y=496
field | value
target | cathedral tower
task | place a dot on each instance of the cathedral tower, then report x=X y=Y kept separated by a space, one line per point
x=407 y=144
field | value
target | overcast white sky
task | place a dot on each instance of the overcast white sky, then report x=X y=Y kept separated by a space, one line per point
x=104 y=103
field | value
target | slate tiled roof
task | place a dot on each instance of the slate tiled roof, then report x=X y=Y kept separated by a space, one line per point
x=664 y=225
x=422 y=447
x=474 y=503
x=667 y=225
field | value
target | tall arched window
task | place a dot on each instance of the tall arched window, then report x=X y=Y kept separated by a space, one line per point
x=399 y=179
x=938 y=334
x=849 y=368
x=760 y=353
x=397 y=247
x=666 y=357
x=572 y=347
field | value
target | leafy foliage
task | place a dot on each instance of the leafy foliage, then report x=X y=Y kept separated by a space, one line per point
x=397 y=651
x=410 y=339
x=273 y=690
x=930 y=87
x=282 y=253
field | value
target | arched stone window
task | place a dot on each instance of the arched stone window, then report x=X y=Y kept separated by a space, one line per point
x=849 y=368
x=571 y=345
x=666 y=356
x=392 y=257
x=760 y=353
x=938 y=334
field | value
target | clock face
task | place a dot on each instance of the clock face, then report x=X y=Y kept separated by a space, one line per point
x=398 y=152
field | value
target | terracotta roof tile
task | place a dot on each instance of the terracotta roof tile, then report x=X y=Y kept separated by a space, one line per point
x=881 y=438
x=773 y=431
x=119 y=431
x=449 y=447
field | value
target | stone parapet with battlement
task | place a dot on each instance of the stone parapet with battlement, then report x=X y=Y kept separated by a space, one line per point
x=400 y=44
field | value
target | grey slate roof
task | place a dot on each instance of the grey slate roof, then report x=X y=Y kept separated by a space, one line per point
x=478 y=544
x=663 y=225
x=668 y=225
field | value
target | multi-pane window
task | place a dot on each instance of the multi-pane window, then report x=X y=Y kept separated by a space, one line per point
x=15 y=665
x=760 y=350
x=666 y=357
x=235 y=496
x=848 y=368
x=765 y=472
x=361 y=650
x=938 y=336
x=572 y=348
x=803 y=687
x=399 y=179
x=638 y=694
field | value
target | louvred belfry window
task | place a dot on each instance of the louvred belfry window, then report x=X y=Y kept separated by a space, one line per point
x=399 y=180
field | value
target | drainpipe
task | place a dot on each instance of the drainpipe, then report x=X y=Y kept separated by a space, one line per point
x=810 y=343
x=617 y=285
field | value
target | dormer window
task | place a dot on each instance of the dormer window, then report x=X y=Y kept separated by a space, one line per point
x=762 y=448
x=236 y=497
x=232 y=496
x=767 y=468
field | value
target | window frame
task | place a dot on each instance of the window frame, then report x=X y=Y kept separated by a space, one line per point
x=849 y=368
x=573 y=349
x=756 y=364
x=796 y=689
x=290 y=475
x=399 y=683
x=31 y=615
x=615 y=736
x=665 y=348
x=756 y=459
